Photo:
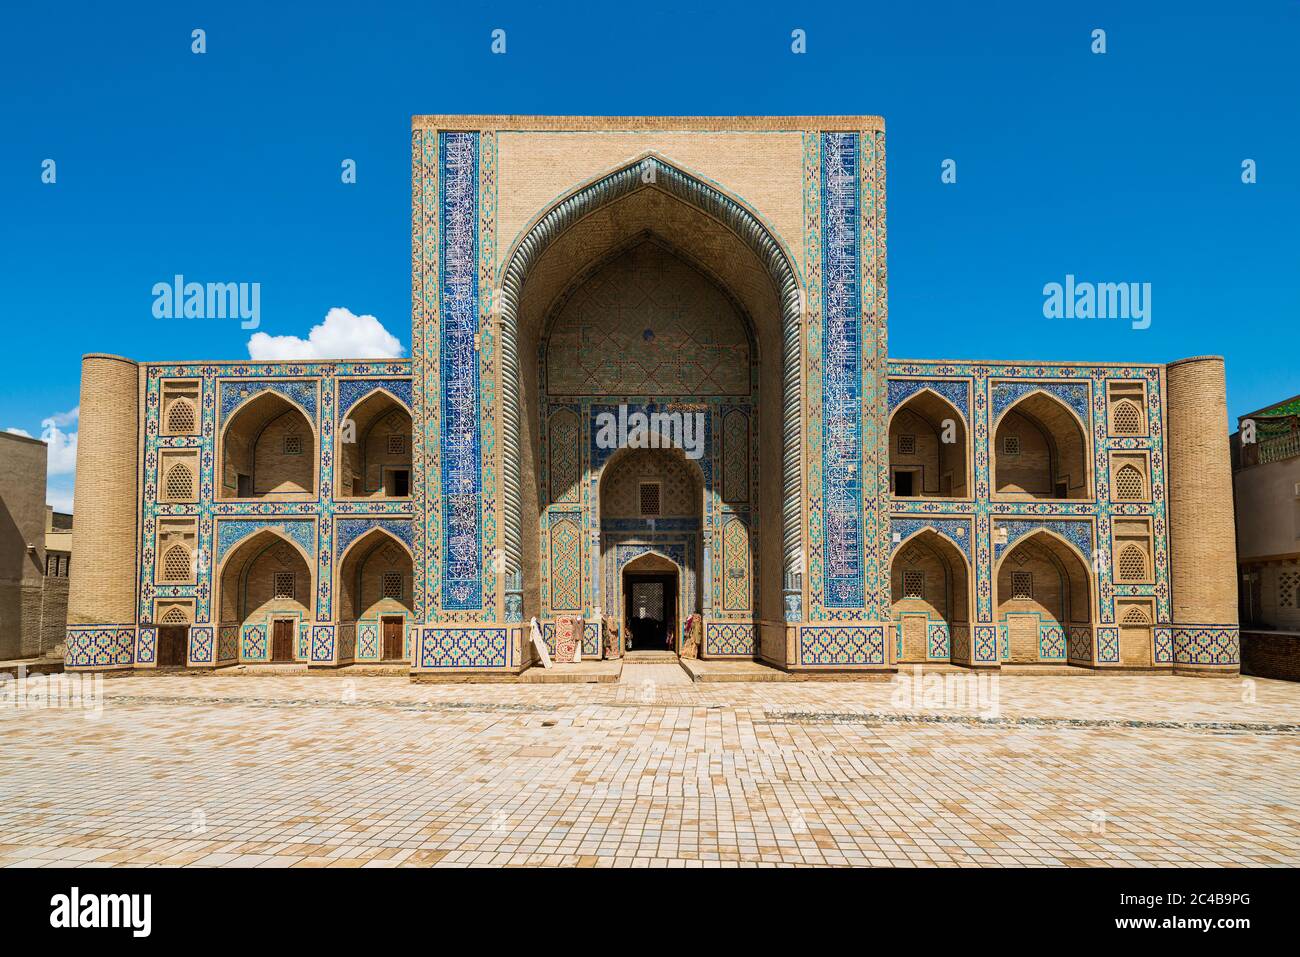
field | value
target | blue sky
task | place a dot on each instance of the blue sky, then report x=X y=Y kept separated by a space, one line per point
x=1122 y=167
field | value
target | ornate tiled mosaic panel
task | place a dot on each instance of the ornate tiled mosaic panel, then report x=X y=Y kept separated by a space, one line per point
x=348 y=530
x=302 y=392
x=228 y=644
x=566 y=558
x=322 y=644
x=955 y=391
x=1107 y=644
x=100 y=646
x=1206 y=645
x=936 y=639
x=252 y=642
x=352 y=391
x=734 y=639
x=201 y=644
x=464 y=648
x=460 y=436
x=985 y=647
x=146 y=645
x=842 y=645
x=842 y=380
x=956 y=530
x=1080 y=643
x=1164 y=645
x=1051 y=641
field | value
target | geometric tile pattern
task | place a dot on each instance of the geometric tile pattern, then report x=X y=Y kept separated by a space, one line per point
x=730 y=639
x=464 y=648
x=99 y=646
x=842 y=645
x=1206 y=644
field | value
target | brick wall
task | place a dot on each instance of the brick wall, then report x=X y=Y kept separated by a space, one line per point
x=1270 y=655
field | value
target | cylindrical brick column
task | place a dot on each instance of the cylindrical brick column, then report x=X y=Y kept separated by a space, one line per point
x=101 y=589
x=1202 y=538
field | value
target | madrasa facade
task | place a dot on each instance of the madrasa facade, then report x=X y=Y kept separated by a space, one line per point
x=649 y=387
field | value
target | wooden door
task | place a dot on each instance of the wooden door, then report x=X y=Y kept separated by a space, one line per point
x=282 y=640
x=171 y=646
x=393 y=639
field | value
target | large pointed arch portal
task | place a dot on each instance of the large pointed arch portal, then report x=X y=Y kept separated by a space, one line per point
x=642 y=232
x=652 y=172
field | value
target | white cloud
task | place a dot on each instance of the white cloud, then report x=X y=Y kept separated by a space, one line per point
x=59 y=496
x=341 y=336
x=61 y=456
x=62 y=445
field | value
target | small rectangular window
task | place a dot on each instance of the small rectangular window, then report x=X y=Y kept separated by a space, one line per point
x=1022 y=585
x=1010 y=445
x=397 y=445
x=913 y=584
x=907 y=445
x=284 y=585
x=293 y=444
x=649 y=498
x=392 y=585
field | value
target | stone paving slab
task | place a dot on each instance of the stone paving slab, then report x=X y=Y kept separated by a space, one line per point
x=654 y=770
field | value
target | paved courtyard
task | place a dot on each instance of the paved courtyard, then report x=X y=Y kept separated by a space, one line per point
x=654 y=771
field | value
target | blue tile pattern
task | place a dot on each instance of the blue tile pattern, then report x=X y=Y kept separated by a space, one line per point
x=841 y=360
x=462 y=491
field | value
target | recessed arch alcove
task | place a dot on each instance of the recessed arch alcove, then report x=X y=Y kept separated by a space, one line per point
x=639 y=223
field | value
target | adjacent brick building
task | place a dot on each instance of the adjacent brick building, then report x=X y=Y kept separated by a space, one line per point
x=1266 y=486
x=35 y=554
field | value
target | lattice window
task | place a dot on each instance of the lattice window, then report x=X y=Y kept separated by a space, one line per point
x=649 y=497
x=176 y=564
x=913 y=584
x=284 y=585
x=1288 y=590
x=1127 y=418
x=174 y=616
x=293 y=444
x=907 y=445
x=179 y=483
x=1136 y=615
x=180 y=416
x=397 y=444
x=1010 y=445
x=1132 y=563
x=1128 y=484
x=391 y=585
x=1022 y=585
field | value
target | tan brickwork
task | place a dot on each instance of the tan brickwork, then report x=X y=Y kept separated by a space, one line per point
x=106 y=502
x=1202 y=540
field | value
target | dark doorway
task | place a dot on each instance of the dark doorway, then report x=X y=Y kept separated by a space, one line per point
x=650 y=612
x=393 y=639
x=401 y=482
x=172 y=643
x=282 y=640
x=903 y=483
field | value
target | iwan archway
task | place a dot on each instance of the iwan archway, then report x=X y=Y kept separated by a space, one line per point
x=659 y=280
x=650 y=295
